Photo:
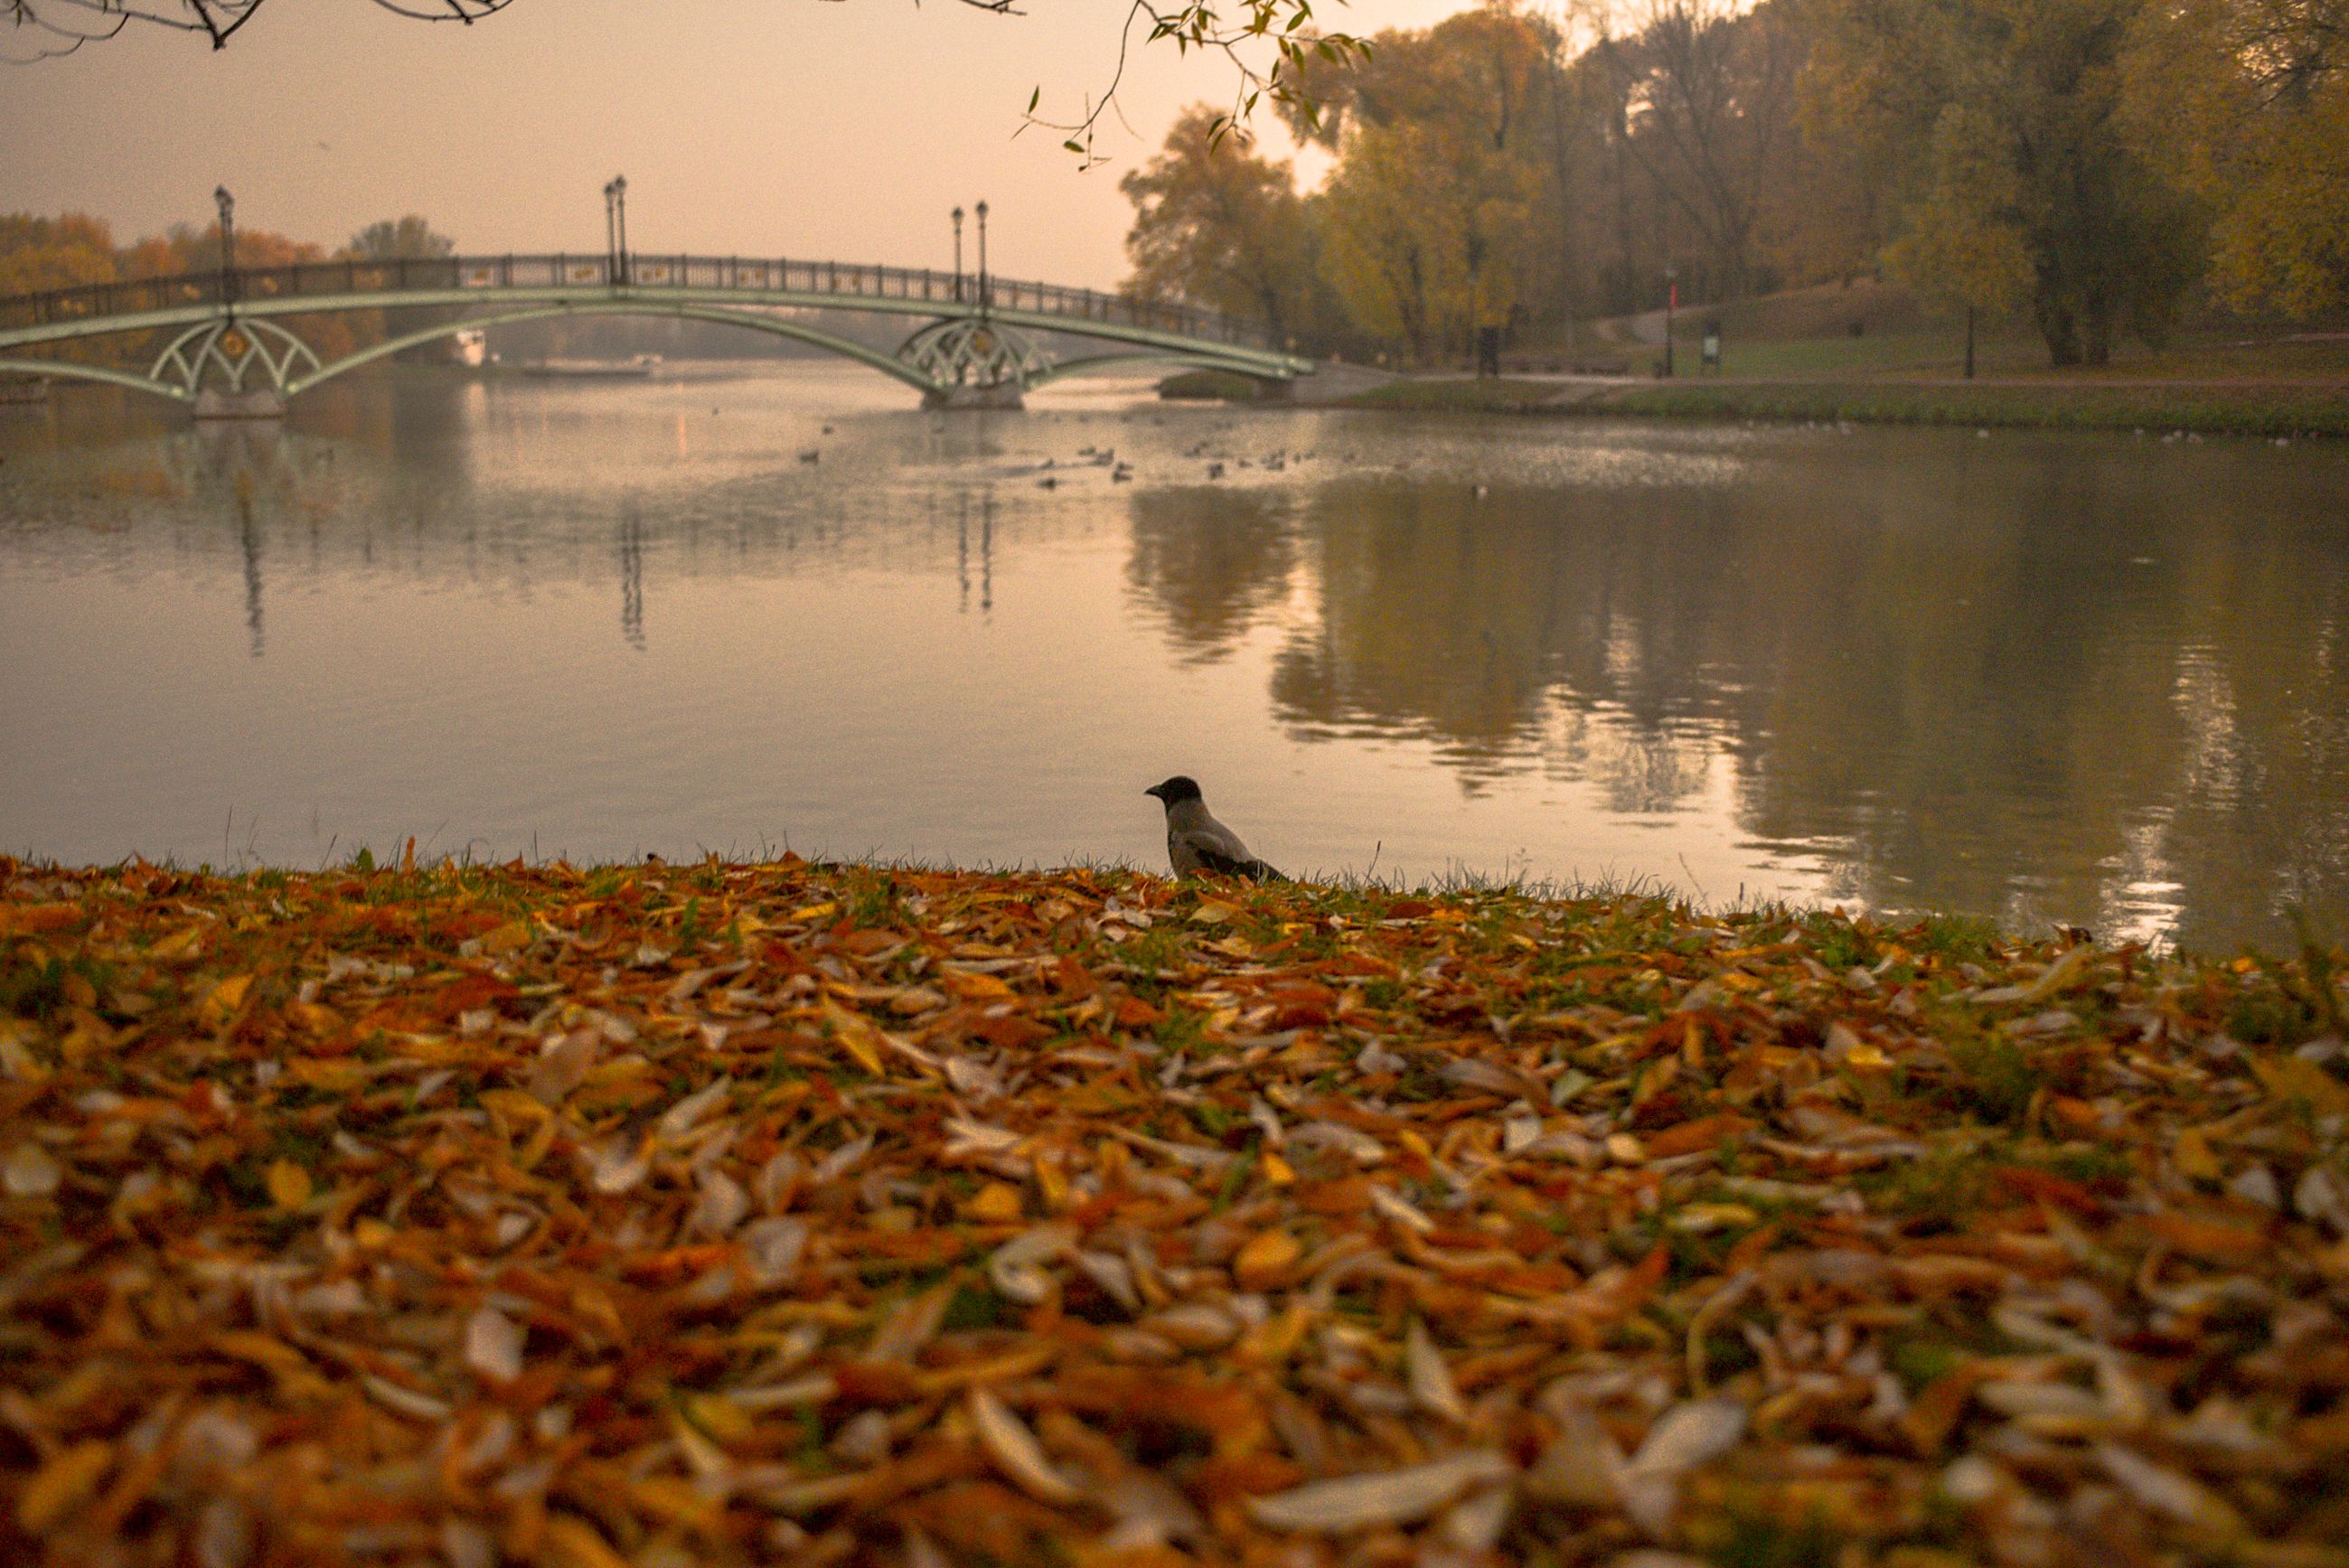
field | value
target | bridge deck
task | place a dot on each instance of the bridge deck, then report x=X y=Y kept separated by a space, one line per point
x=839 y=282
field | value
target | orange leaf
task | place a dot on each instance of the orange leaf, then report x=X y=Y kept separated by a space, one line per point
x=62 y=1483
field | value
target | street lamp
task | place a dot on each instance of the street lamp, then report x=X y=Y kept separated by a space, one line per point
x=228 y=242
x=957 y=216
x=612 y=231
x=982 y=256
x=1671 y=304
x=620 y=201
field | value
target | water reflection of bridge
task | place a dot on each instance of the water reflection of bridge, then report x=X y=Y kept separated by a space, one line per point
x=226 y=341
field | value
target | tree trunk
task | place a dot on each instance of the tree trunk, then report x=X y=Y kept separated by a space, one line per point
x=2098 y=346
x=2058 y=328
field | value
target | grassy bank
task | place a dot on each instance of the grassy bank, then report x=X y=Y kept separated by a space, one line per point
x=2248 y=410
x=730 y=1213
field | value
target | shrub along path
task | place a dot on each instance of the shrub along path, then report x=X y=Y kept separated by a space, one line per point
x=730 y=1213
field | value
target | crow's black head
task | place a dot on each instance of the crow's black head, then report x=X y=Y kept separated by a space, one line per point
x=1181 y=787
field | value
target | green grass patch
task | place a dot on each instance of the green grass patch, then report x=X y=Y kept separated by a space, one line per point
x=2248 y=410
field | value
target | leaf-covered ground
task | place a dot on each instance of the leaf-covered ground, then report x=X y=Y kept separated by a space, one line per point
x=730 y=1213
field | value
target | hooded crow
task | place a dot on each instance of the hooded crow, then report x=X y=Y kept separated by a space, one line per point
x=1196 y=842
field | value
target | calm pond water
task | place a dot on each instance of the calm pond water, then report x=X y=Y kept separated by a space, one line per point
x=2086 y=679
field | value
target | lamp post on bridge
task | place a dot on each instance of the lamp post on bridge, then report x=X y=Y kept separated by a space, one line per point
x=611 y=232
x=982 y=257
x=957 y=216
x=620 y=202
x=228 y=243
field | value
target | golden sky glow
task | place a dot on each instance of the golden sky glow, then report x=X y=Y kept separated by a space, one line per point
x=778 y=126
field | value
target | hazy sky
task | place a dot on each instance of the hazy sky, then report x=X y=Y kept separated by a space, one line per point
x=751 y=127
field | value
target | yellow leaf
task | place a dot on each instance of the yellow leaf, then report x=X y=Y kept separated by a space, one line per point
x=333 y=1075
x=514 y=1103
x=2192 y=1150
x=289 y=1185
x=1278 y=1171
x=314 y=1018
x=2296 y=1077
x=997 y=1204
x=856 y=1036
x=64 y=1481
x=507 y=937
x=221 y=1003
x=1212 y=911
x=1265 y=1258
x=719 y=1418
x=975 y=987
x=573 y=1543
x=181 y=944
x=1050 y=1184
x=814 y=911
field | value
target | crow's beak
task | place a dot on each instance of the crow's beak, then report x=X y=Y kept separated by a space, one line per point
x=1153 y=790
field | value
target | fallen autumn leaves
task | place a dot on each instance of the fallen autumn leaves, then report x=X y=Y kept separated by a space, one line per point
x=744 y=1213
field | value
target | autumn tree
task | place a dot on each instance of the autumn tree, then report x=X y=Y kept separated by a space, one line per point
x=390 y=239
x=1216 y=224
x=1711 y=97
x=37 y=254
x=2022 y=182
x=1432 y=222
x=2249 y=100
x=186 y=247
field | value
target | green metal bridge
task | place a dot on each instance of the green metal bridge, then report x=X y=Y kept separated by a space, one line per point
x=226 y=348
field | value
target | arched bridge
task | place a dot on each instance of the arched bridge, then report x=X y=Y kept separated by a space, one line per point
x=225 y=346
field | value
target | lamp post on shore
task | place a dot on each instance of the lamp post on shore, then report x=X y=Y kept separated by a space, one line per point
x=228 y=242
x=1671 y=305
x=981 y=210
x=957 y=216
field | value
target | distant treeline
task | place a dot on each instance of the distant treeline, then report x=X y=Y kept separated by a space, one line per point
x=2093 y=167
x=39 y=254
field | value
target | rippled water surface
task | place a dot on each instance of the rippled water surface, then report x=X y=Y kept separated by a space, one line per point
x=2086 y=679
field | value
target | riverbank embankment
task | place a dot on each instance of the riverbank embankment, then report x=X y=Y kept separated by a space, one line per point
x=2156 y=408
x=716 y=1212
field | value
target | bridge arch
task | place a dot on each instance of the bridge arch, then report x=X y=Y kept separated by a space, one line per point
x=755 y=321
x=72 y=370
x=202 y=308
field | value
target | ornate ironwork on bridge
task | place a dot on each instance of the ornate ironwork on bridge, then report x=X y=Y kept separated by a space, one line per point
x=231 y=342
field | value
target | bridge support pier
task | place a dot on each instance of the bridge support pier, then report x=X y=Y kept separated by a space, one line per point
x=1002 y=395
x=264 y=404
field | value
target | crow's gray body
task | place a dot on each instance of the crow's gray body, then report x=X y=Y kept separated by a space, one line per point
x=1196 y=842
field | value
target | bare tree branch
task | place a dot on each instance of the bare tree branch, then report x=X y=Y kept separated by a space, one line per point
x=1241 y=37
x=217 y=20
x=1243 y=32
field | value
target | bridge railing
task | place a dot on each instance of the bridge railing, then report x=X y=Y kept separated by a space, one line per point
x=748 y=274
